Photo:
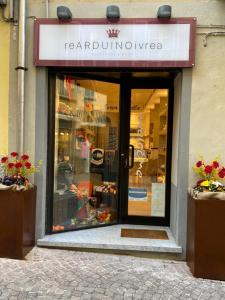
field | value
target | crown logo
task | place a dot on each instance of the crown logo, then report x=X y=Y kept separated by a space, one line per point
x=113 y=33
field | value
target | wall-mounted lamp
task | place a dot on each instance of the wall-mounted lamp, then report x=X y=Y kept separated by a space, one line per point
x=113 y=13
x=64 y=13
x=3 y=3
x=164 y=12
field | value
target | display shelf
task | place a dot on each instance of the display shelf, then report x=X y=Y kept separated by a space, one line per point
x=162 y=153
x=163 y=113
x=160 y=171
x=66 y=117
x=65 y=98
x=140 y=159
x=162 y=132
x=137 y=135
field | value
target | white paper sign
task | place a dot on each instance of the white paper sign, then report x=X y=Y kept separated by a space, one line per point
x=158 y=200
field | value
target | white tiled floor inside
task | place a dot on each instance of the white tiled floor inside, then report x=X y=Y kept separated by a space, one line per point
x=109 y=238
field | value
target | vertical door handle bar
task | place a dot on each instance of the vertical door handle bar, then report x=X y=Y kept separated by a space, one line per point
x=132 y=156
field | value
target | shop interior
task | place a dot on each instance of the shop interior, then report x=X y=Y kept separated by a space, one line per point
x=148 y=136
x=87 y=121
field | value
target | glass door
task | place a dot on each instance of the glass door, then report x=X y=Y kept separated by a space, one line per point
x=147 y=154
x=86 y=143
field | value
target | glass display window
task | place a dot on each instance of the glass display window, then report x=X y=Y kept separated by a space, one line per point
x=86 y=153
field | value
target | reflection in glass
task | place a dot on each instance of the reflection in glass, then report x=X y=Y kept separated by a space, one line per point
x=148 y=136
x=86 y=153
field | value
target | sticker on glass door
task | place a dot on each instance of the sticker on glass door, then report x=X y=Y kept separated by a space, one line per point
x=148 y=152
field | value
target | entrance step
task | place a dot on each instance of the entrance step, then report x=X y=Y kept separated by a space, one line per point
x=108 y=239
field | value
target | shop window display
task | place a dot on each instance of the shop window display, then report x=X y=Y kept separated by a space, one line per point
x=86 y=153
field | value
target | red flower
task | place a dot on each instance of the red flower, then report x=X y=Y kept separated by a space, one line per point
x=27 y=165
x=221 y=173
x=215 y=164
x=208 y=169
x=14 y=154
x=199 y=164
x=25 y=157
x=4 y=159
x=18 y=165
x=11 y=165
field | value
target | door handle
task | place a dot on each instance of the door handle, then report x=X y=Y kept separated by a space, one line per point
x=131 y=161
x=124 y=159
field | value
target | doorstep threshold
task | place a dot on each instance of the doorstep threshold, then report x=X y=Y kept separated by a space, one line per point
x=108 y=238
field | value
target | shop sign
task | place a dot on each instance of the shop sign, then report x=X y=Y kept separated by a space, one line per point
x=130 y=42
x=97 y=156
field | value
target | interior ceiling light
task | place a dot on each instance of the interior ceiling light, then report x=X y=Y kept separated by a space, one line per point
x=3 y=3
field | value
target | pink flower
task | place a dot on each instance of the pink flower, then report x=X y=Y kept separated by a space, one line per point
x=199 y=164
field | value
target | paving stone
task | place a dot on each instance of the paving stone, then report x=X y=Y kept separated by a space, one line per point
x=49 y=274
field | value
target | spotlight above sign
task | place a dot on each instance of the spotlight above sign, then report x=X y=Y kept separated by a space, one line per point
x=128 y=43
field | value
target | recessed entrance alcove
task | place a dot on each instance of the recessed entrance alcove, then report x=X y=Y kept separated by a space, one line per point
x=109 y=239
x=164 y=160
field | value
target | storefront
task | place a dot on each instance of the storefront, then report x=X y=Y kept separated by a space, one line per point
x=117 y=112
x=111 y=115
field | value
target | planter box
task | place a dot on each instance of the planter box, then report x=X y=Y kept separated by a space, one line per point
x=17 y=222
x=206 y=237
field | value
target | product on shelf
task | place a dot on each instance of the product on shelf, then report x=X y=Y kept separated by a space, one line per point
x=107 y=187
x=104 y=214
x=64 y=109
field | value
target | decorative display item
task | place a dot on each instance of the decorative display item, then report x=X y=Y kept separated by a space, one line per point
x=15 y=170
x=210 y=176
x=107 y=187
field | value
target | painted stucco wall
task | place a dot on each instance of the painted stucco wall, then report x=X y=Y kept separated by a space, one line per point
x=4 y=85
x=207 y=125
x=208 y=89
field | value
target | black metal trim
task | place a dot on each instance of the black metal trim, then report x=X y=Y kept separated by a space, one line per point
x=21 y=68
x=148 y=84
x=51 y=152
x=126 y=84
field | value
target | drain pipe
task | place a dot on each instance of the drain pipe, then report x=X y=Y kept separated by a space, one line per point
x=46 y=8
x=21 y=72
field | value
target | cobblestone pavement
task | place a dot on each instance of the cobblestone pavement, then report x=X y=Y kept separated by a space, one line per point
x=60 y=274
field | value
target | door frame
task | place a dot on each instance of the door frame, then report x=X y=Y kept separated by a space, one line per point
x=127 y=84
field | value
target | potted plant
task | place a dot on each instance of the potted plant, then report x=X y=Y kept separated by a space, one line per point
x=17 y=206
x=206 y=222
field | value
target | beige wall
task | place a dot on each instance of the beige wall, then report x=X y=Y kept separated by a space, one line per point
x=208 y=88
x=4 y=85
x=207 y=122
x=207 y=126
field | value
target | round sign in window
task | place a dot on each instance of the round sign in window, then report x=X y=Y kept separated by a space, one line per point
x=97 y=156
